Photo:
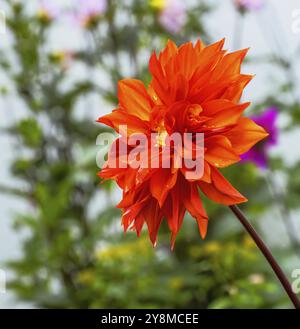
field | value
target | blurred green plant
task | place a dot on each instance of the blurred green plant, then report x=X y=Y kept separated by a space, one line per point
x=216 y=274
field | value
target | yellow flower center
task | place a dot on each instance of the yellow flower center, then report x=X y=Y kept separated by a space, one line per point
x=194 y=112
x=161 y=137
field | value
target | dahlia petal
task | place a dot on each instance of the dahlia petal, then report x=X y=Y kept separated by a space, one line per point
x=174 y=211
x=175 y=117
x=118 y=118
x=127 y=200
x=133 y=97
x=223 y=112
x=235 y=90
x=186 y=60
x=127 y=180
x=213 y=90
x=201 y=77
x=138 y=224
x=220 y=190
x=208 y=58
x=169 y=51
x=245 y=134
x=206 y=175
x=179 y=89
x=161 y=183
x=229 y=65
x=193 y=204
x=153 y=217
x=210 y=51
x=220 y=152
x=132 y=212
x=199 y=46
x=154 y=97
x=111 y=174
x=159 y=82
x=116 y=164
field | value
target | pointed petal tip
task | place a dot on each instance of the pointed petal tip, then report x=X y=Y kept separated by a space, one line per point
x=172 y=245
x=153 y=239
x=241 y=200
x=202 y=225
x=244 y=51
x=173 y=239
x=171 y=42
x=99 y=120
x=266 y=134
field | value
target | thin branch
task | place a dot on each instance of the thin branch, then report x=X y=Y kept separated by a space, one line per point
x=268 y=255
x=285 y=214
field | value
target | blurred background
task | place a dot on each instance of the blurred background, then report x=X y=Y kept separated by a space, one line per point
x=61 y=241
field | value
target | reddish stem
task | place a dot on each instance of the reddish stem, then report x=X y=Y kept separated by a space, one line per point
x=268 y=255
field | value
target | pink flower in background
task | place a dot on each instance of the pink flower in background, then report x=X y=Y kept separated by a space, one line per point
x=259 y=153
x=249 y=4
x=88 y=10
x=172 y=16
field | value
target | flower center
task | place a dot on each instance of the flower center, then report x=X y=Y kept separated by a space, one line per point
x=161 y=136
x=193 y=113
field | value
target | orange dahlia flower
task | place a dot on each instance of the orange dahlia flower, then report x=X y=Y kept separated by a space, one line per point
x=194 y=89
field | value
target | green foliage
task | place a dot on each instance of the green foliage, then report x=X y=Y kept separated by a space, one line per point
x=212 y=275
x=30 y=132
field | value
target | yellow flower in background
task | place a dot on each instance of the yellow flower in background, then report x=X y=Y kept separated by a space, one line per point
x=124 y=251
x=172 y=14
x=248 y=242
x=86 y=276
x=176 y=283
x=44 y=15
x=63 y=58
x=158 y=4
x=212 y=247
x=47 y=12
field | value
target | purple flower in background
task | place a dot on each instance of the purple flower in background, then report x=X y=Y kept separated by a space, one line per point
x=172 y=16
x=251 y=5
x=259 y=153
x=88 y=10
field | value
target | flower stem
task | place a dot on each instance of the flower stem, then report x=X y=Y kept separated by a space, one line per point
x=268 y=255
x=279 y=197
